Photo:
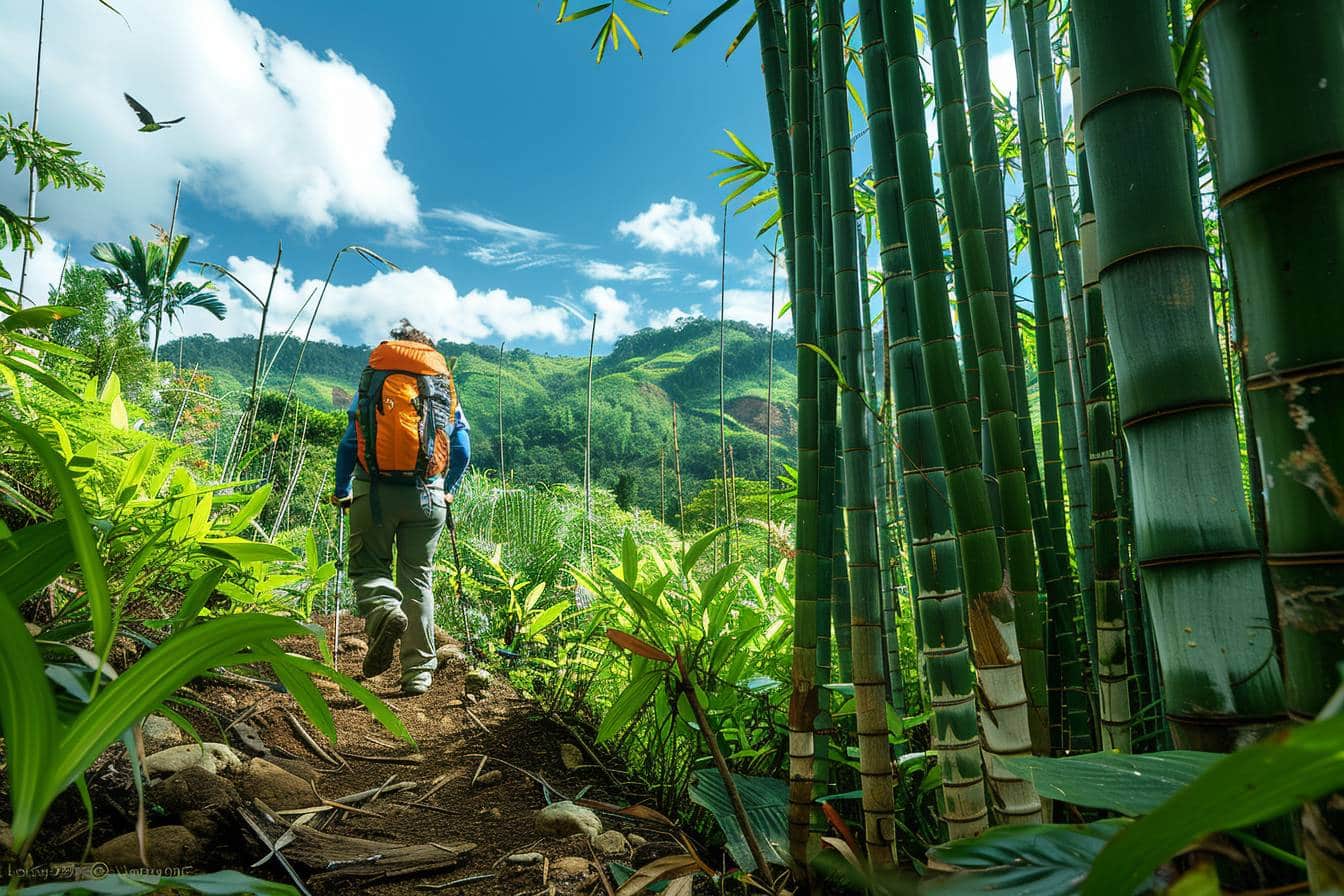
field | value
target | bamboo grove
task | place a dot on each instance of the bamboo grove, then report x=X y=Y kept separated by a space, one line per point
x=1083 y=569
x=1081 y=421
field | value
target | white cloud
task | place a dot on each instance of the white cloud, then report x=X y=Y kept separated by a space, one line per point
x=1003 y=72
x=673 y=227
x=273 y=130
x=604 y=270
x=490 y=225
x=44 y=269
x=424 y=295
x=615 y=316
x=753 y=306
x=673 y=316
x=708 y=284
x=511 y=256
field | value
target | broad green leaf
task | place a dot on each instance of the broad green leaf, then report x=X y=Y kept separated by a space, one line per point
x=249 y=510
x=628 y=704
x=1119 y=782
x=244 y=551
x=1024 y=860
x=377 y=708
x=714 y=584
x=111 y=389
x=1290 y=767
x=767 y=803
x=630 y=560
x=134 y=474
x=116 y=414
x=692 y=555
x=81 y=535
x=38 y=316
x=199 y=592
x=151 y=680
x=545 y=618
x=31 y=559
x=28 y=712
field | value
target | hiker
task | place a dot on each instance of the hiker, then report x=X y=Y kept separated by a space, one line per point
x=406 y=446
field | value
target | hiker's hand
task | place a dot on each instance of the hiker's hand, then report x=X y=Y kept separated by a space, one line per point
x=447 y=497
x=342 y=501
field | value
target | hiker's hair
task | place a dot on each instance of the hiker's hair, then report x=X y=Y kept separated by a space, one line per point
x=406 y=332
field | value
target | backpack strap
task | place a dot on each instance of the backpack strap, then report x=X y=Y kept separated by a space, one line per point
x=366 y=418
x=428 y=425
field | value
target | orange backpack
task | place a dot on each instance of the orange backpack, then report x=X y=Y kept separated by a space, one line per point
x=407 y=404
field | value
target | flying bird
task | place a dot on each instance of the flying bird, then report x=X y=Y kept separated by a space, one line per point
x=148 y=124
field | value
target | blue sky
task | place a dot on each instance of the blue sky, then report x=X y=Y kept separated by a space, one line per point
x=518 y=185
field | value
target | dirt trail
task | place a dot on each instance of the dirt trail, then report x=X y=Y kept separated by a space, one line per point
x=452 y=735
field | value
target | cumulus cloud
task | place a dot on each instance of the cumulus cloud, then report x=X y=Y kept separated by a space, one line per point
x=274 y=130
x=615 y=316
x=425 y=296
x=606 y=271
x=673 y=316
x=672 y=227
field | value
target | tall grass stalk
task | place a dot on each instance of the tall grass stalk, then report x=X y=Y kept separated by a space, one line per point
x=32 y=169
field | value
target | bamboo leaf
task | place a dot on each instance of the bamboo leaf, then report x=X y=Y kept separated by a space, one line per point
x=581 y=14
x=244 y=551
x=648 y=7
x=704 y=23
x=741 y=36
x=545 y=618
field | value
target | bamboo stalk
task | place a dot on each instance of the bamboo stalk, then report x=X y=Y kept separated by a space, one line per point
x=939 y=602
x=803 y=700
x=1193 y=533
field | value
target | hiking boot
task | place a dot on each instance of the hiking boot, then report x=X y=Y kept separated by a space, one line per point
x=416 y=685
x=383 y=643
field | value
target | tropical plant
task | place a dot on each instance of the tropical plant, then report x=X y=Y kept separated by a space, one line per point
x=145 y=276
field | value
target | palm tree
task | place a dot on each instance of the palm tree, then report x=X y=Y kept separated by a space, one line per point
x=143 y=275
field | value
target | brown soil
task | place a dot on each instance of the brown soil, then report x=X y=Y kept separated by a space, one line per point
x=455 y=740
x=751 y=412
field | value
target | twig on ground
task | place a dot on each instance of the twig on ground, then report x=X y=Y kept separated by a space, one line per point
x=413 y=759
x=279 y=857
x=478 y=722
x=308 y=741
x=540 y=780
x=484 y=760
x=455 y=883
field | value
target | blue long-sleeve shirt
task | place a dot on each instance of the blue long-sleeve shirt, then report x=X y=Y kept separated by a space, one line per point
x=459 y=452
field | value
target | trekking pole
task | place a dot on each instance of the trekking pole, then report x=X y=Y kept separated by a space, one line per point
x=461 y=595
x=340 y=567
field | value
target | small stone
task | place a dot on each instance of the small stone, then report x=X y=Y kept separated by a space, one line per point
x=570 y=866
x=441 y=636
x=478 y=680
x=296 y=767
x=611 y=843
x=226 y=701
x=159 y=732
x=571 y=756
x=637 y=841
x=212 y=757
x=564 y=818
x=524 y=858
x=354 y=645
x=193 y=788
x=491 y=813
x=422 y=717
x=204 y=823
x=169 y=846
x=274 y=786
x=490 y=778
x=472 y=698
x=450 y=653
x=326 y=685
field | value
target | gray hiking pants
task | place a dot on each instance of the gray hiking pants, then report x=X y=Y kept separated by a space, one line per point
x=412 y=520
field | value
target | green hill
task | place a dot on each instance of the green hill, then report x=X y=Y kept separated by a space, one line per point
x=634 y=388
